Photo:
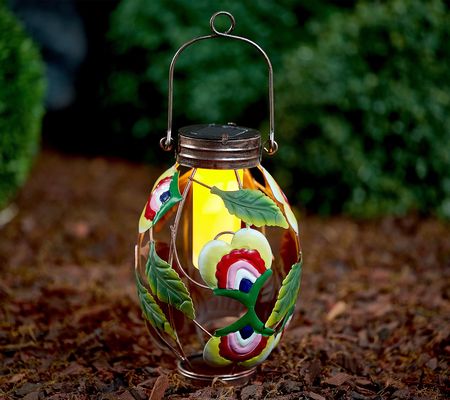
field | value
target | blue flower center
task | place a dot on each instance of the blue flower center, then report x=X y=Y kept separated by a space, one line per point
x=246 y=332
x=164 y=197
x=245 y=285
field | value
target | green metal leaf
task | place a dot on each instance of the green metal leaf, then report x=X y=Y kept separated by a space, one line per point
x=151 y=310
x=248 y=300
x=167 y=285
x=252 y=206
x=287 y=295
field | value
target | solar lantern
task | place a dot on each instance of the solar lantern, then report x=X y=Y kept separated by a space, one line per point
x=218 y=261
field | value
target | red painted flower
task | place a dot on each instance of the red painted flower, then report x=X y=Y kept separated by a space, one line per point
x=238 y=346
x=245 y=347
x=238 y=264
x=239 y=269
x=159 y=196
x=163 y=196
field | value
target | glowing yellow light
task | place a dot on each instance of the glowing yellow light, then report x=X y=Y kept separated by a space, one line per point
x=210 y=215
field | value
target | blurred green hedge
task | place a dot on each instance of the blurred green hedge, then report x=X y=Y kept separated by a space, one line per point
x=365 y=111
x=21 y=103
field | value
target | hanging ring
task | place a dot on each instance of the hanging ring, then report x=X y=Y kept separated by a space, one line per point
x=270 y=147
x=166 y=143
x=213 y=20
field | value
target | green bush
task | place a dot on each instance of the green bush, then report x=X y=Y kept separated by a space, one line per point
x=365 y=111
x=21 y=103
x=215 y=81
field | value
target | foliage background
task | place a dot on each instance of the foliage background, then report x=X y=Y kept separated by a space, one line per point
x=21 y=103
x=362 y=93
x=373 y=288
x=364 y=110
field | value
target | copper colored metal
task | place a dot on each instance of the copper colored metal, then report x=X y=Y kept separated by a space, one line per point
x=167 y=141
x=218 y=147
x=201 y=374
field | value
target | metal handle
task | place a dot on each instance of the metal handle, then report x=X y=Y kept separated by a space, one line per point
x=271 y=145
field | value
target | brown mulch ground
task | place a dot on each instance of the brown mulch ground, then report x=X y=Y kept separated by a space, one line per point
x=374 y=309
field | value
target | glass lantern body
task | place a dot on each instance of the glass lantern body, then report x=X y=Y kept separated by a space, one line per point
x=218 y=265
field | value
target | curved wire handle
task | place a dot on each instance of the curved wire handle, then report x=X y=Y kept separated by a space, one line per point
x=271 y=145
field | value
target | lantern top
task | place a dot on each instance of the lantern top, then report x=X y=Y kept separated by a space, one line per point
x=216 y=132
x=218 y=146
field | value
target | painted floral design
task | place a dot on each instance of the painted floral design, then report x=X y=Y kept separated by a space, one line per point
x=281 y=198
x=243 y=348
x=164 y=195
x=243 y=344
x=238 y=264
x=239 y=270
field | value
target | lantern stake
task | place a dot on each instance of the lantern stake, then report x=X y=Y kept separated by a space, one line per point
x=161 y=337
x=201 y=183
x=202 y=328
x=174 y=227
x=238 y=178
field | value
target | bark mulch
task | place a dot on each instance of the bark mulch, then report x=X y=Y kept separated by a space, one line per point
x=374 y=306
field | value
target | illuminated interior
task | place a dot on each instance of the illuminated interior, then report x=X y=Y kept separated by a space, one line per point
x=210 y=215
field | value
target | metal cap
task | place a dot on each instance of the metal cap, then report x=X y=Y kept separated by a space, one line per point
x=218 y=146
